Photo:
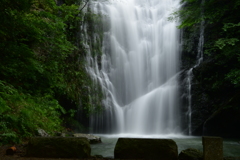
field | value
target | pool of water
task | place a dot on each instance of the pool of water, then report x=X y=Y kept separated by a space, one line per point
x=231 y=147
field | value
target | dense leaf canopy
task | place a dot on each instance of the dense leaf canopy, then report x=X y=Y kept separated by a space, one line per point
x=42 y=61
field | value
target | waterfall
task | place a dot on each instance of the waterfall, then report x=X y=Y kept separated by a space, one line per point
x=190 y=74
x=139 y=68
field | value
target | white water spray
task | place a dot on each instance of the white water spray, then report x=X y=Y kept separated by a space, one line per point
x=139 y=73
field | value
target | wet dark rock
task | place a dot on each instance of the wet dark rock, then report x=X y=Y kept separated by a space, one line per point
x=190 y=154
x=224 y=123
x=138 y=148
x=212 y=148
x=98 y=156
x=58 y=147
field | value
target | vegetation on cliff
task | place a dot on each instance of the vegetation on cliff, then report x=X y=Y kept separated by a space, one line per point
x=42 y=66
x=217 y=79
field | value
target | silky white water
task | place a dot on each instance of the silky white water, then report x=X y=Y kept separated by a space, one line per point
x=139 y=68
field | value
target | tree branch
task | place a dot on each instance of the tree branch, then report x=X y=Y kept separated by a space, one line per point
x=84 y=5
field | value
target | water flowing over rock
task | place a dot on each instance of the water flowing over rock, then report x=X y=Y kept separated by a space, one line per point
x=189 y=73
x=139 y=67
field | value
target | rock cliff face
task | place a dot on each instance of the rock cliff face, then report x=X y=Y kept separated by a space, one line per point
x=224 y=122
x=199 y=105
x=214 y=103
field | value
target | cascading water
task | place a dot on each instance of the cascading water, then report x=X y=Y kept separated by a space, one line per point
x=139 y=68
x=190 y=74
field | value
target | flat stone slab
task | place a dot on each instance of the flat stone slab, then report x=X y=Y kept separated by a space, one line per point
x=58 y=147
x=141 y=148
x=212 y=148
x=92 y=139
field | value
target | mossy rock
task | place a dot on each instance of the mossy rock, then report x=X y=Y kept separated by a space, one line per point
x=139 y=148
x=190 y=154
x=58 y=147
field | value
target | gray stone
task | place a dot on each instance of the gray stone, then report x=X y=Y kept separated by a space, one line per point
x=212 y=148
x=58 y=147
x=190 y=154
x=42 y=133
x=139 y=148
x=92 y=139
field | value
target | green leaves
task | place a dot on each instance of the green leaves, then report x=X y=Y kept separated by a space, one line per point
x=219 y=73
x=34 y=49
x=230 y=25
x=228 y=28
x=21 y=114
x=234 y=77
x=42 y=60
x=222 y=42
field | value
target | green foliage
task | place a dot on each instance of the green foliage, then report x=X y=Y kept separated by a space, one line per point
x=211 y=11
x=42 y=60
x=22 y=114
x=231 y=31
x=222 y=42
x=234 y=76
x=95 y=32
x=230 y=25
x=220 y=73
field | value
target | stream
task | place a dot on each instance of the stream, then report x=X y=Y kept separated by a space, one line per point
x=231 y=147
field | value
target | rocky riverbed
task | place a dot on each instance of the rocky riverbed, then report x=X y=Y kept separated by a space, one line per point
x=20 y=153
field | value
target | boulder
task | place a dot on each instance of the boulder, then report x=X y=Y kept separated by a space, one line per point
x=212 y=148
x=139 y=148
x=58 y=147
x=91 y=138
x=190 y=154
